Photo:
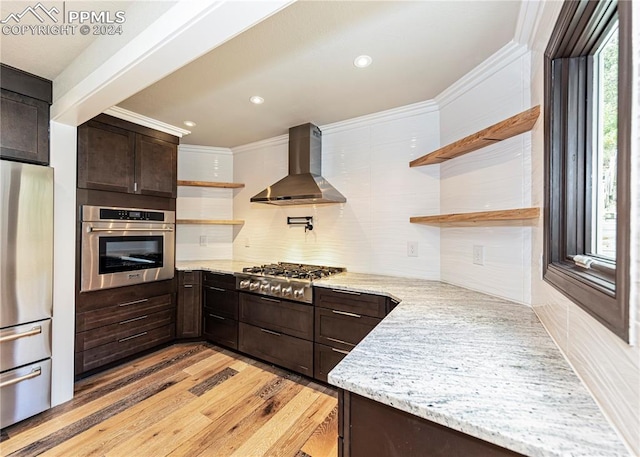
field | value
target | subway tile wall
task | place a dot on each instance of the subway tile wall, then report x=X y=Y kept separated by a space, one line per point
x=492 y=178
x=367 y=160
x=203 y=242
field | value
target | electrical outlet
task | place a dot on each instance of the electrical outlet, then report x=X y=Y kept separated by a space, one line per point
x=478 y=255
x=203 y=240
x=412 y=248
x=247 y=244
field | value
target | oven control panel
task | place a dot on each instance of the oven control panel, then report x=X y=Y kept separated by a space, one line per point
x=130 y=215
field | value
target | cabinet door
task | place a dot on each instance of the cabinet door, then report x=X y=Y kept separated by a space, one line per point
x=189 y=311
x=156 y=167
x=24 y=123
x=106 y=159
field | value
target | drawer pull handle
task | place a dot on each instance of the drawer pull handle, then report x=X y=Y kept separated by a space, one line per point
x=335 y=340
x=340 y=351
x=270 y=299
x=135 y=302
x=270 y=332
x=34 y=331
x=134 y=319
x=349 y=292
x=217 y=317
x=138 y=335
x=37 y=371
x=188 y=286
x=344 y=313
x=215 y=288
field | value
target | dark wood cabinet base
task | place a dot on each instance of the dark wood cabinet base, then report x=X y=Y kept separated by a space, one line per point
x=368 y=428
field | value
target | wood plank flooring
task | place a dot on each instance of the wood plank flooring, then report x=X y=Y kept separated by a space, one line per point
x=191 y=400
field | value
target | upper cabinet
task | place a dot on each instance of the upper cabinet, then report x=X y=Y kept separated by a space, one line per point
x=24 y=116
x=119 y=156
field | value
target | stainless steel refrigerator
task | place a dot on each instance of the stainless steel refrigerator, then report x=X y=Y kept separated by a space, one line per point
x=26 y=289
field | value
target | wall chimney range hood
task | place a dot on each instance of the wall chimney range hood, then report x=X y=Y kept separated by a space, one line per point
x=303 y=185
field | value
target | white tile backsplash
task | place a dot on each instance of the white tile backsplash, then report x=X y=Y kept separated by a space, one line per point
x=369 y=164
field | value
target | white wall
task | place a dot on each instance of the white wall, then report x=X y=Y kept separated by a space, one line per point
x=608 y=366
x=492 y=178
x=63 y=161
x=201 y=163
x=367 y=160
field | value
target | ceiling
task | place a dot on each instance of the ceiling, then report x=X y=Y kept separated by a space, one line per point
x=299 y=60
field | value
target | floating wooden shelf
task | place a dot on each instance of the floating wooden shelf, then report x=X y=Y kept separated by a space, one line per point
x=223 y=185
x=209 y=221
x=508 y=128
x=481 y=216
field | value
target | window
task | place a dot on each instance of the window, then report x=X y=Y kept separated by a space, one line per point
x=587 y=158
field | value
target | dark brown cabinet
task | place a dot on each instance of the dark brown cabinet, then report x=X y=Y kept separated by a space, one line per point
x=189 y=305
x=366 y=427
x=115 y=323
x=220 y=309
x=278 y=331
x=342 y=319
x=24 y=116
x=118 y=156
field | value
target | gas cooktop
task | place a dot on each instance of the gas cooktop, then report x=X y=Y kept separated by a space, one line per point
x=287 y=280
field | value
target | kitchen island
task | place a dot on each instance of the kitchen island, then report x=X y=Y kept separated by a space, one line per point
x=474 y=363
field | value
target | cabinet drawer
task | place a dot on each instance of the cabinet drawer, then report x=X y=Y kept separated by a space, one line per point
x=99 y=299
x=286 y=351
x=325 y=359
x=295 y=319
x=352 y=302
x=122 y=312
x=101 y=355
x=223 y=302
x=220 y=330
x=342 y=329
x=222 y=280
x=189 y=277
x=25 y=343
x=124 y=329
x=26 y=391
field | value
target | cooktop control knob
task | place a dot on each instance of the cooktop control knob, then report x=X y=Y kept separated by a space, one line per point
x=275 y=290
x=254 y=286
x=264 y=288
x=287 y=291
x=298 y=293
x=244 y=284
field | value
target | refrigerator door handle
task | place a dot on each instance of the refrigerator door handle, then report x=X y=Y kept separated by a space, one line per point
x=34 y=374
x=34 y=331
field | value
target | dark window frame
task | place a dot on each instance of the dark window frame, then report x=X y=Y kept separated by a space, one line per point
x=569 y=75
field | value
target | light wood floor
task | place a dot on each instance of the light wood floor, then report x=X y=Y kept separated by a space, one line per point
x=185 y=400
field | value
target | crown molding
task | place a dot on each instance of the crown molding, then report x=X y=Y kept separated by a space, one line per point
x=529 y=17
x=262 y=144
x=139 y=119
x=414 y=109
x=203 y=149
x=505 y=56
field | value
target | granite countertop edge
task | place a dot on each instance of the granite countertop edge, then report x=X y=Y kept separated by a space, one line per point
x=586 y=432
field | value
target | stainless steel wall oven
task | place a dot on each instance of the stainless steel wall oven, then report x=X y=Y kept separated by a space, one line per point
x=125 y=246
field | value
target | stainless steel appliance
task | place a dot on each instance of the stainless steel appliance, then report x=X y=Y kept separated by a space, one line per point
x=125 y=246
x=291 y=281
x=304 y=184
x=26 y=289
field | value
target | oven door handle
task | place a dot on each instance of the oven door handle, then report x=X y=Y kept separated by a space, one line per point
x=96 y=229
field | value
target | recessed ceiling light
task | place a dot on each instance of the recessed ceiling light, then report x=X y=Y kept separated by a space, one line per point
x=362 y=61
x=189 y=123
x=256 y=100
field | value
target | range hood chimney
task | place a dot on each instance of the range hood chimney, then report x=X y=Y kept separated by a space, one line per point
x=303 y=185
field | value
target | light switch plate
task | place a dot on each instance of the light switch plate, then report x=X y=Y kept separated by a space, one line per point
x=478 y=255
x=203 y=240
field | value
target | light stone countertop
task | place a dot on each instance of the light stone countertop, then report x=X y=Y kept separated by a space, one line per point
x=472 y=362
